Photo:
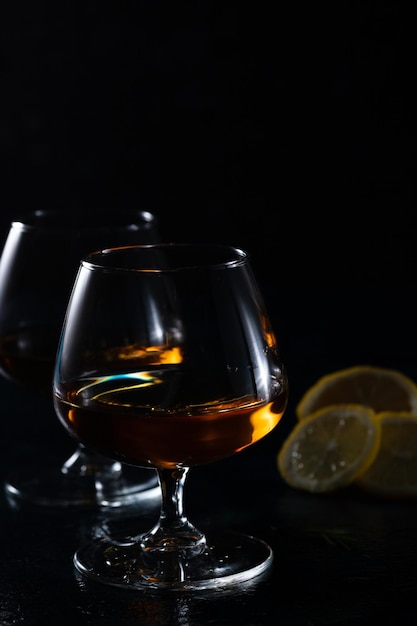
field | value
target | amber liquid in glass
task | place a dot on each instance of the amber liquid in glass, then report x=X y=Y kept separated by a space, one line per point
x=27 y=358
x=132 y=418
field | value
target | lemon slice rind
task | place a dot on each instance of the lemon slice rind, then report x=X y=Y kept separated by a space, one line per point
x=393 y=473
x=379 y=388
x=330 y=449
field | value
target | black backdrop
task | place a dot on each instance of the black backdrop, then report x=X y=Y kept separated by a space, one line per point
x=286 y=128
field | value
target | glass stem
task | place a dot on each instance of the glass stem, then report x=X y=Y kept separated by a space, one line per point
x=173 y=532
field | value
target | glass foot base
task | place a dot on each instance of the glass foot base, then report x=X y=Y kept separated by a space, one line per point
x=52 y=487
x=229 y=559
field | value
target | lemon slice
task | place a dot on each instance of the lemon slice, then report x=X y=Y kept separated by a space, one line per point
x=330 y=448
x=379 y=388
x=394 y=470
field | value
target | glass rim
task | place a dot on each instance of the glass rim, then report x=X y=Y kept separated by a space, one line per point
x=56 y=219
x=212 y=256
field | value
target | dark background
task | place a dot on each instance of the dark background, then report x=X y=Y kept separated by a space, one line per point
x=285 y=128
x=288 y=128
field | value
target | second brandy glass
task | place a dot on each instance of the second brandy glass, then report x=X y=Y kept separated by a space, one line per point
x=38 y=265
x=167 y=360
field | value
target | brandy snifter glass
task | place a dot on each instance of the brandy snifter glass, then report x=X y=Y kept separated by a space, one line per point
x=167 y=360
x=38 y=265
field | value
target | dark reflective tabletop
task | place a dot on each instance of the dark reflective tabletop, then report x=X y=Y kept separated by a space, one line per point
x=339 y=559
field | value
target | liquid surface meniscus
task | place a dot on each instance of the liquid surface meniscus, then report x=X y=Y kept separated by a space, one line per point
x=124 y=417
